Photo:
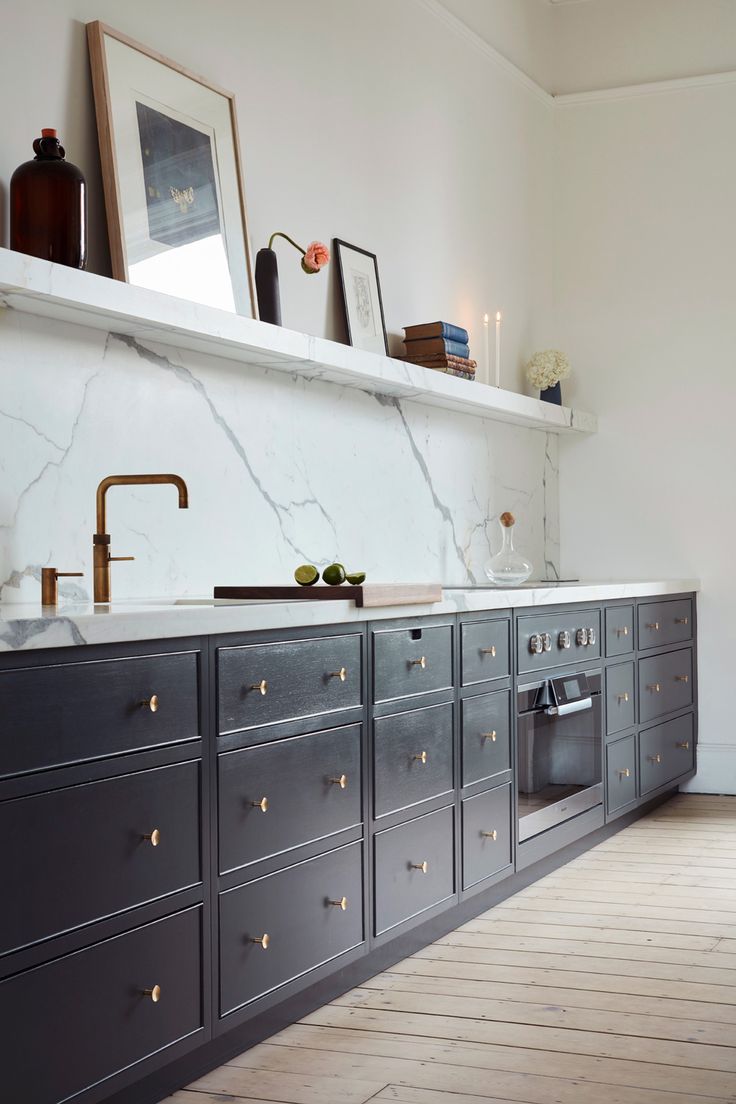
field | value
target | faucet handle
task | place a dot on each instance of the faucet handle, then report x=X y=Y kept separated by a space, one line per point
x=50 y=586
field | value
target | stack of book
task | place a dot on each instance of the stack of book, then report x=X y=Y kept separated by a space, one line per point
x=441 y=346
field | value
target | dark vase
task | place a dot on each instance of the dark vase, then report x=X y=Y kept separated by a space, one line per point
x=552 y=394
x=267 y=287
x=48 y=206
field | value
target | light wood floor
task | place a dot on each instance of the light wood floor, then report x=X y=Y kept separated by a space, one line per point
x=611 y=981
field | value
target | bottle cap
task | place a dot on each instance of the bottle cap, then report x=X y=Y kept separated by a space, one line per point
x=48 y=132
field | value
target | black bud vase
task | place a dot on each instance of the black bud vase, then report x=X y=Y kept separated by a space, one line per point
x=267 y=287
x=551 y=394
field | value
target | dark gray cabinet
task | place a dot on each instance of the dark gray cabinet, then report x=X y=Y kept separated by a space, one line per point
x=413 y=758
x=408 y=662
x=619 y=622
x=665 y=683
x=621 y=773
x=485 y=651
x=620 y=697
x=665 y=622
x=487 y=834
x=486 y=736
x=666 y=752
x=414 y=868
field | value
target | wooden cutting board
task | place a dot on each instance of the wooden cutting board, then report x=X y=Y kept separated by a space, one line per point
x=369 y=595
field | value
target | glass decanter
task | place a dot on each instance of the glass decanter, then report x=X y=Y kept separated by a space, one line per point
x=508 y=567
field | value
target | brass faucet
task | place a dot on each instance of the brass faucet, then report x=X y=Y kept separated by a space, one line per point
x=101 y=539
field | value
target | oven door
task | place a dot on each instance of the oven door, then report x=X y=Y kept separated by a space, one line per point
x=559 y=771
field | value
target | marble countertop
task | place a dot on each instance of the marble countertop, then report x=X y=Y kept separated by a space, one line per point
x=29 y=626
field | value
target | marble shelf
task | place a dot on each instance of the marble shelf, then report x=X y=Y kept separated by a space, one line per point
x=53 y=291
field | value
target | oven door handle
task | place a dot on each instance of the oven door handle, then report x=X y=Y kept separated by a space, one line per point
x=570 y=707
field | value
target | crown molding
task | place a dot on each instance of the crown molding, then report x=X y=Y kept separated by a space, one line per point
x=651 y=88
x=462 y=30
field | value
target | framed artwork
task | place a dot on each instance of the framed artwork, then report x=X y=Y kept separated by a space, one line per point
x=361 y=294
x=171 y=174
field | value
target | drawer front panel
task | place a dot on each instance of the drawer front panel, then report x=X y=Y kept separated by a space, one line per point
x=80 y=1019
x=665 y=683
x=619 y=630
x=621 y=773
x=486 y=742
x=485 y=651
x=293 y=907
x=311 y=786
x=620 y=697
x=666 y=752
x=262 y=684
x=486 y=834
x=561 y=643
x=405 y=887
x=665 y=623
x=78 y=854
x=407 y=662
x=413 y=757
x=77 y=711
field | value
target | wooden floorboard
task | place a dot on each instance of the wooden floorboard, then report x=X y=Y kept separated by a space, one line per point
x=611 y=981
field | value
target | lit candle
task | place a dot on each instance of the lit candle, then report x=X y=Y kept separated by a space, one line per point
x=487 y=365
x=498 y=348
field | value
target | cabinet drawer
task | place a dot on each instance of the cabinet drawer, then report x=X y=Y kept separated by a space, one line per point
x=486 y=834
x=414 y=867
x=262 y=684
x=621 y=773
x=486 y=742
x=78 y=854
x=75 y=711
x=666 y=752
x=619 y=622
x=665 y=683
x=413 y=758
x=80 y=1019
x=300 y=910
x=620 y=698
x=665 y=623
x=567 y=638
x=407 y=662
x=484 y=651
x=311 y=786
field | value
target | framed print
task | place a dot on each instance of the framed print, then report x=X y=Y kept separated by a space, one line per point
x=171 y=174
x=361 y=294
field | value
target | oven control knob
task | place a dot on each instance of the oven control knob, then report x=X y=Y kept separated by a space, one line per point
x=581 y=637
x=591 y=636
x=535 y=644
x=563 y=640
x=547 y=642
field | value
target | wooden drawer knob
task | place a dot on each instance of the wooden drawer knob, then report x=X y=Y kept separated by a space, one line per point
x=153 y=837
x=154 y=993
x=342 y=674
x=341 y=903
x=423 y=866
x=262 y=804
x=262 y=940
x=420 y=757
x=421 y=662
x=490 y=835
x=261 y=686
x=150 y=703
x=340 y=780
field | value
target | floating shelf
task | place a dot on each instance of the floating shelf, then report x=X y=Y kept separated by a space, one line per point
x=68 y=295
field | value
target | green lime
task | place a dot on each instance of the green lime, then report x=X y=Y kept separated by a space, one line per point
x=334 y=575
x=356 y=578
x=306 y=575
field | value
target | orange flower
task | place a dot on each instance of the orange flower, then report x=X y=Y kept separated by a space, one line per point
x=317 y=255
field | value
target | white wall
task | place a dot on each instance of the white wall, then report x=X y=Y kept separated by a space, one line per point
x=646 y=247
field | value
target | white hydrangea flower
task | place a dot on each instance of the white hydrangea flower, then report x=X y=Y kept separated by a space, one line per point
x=547 y=368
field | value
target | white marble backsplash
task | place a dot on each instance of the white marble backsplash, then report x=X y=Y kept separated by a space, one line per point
x=280 y=470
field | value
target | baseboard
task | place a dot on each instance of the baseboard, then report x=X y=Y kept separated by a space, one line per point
x=716 y=772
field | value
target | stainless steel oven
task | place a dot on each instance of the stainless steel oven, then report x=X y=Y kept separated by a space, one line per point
x=559 y=772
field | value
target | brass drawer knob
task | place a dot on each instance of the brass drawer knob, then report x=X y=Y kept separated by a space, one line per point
x=262 y=804
x=492 y=736
x=682 y=620
x=420 y=757
x=154 y=993
x=653 y=625
x=622 y=697
x=341 y=903
x=655 y=758
x=421 y=662
x=623 y=631
x=490 y=835
x=654 y=687
x=683 y=744
x=262 y=940
x=150 y=703
x=342 y=674
x=625 y=773
x=340 y=780
x=682 y=678
x=489 y=651
x=423 y=866
x=261 y=686
x=153 y=837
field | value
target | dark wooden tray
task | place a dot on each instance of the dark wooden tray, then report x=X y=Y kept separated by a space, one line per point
x=369 y=595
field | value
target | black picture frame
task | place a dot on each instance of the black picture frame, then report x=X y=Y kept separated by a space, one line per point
x=349 y=300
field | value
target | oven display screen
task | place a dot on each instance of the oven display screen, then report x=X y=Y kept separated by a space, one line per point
x=572 y=688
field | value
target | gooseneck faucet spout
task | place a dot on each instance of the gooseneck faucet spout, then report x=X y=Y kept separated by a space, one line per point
x=101 y=539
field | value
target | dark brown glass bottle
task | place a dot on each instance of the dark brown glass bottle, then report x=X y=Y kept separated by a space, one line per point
x=48 y=206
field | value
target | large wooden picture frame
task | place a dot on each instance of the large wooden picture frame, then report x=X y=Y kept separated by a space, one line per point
x=171 y=174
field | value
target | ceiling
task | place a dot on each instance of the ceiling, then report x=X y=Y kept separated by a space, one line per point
x=586 y=45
